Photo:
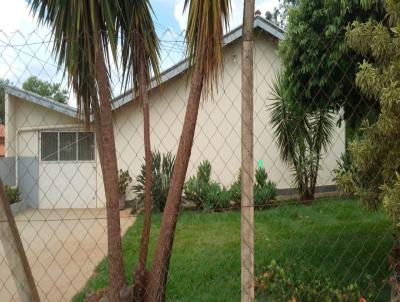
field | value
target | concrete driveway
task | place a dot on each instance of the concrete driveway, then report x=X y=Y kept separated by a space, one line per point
x=63 y=248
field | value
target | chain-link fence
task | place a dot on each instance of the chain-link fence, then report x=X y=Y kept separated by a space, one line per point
x=322 y=246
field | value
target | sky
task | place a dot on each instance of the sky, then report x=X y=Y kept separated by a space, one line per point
x=25 y=47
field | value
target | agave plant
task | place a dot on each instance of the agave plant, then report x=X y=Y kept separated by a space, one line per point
x=162 y=166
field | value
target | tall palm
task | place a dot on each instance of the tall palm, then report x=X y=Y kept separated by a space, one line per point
x=82 y=31
x=140 y=57
x=204 y=36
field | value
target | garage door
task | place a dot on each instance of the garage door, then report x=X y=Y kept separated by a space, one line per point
x=67 y=170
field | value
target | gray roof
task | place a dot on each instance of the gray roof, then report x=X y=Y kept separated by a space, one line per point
x=181 y=67
x=259 y=22
x=40 y=100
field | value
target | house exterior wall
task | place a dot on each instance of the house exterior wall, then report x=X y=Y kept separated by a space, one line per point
x=218 y=131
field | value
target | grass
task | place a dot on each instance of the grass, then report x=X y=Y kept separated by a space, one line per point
x=336 y=238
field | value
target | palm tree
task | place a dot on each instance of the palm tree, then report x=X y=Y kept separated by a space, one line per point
x=302 y=134
x=204 y=36
x=82 y=31
x=140 y=56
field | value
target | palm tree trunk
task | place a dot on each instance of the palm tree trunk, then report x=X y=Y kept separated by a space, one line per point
x=159 y=272
x=108 y=161
x=140 y=273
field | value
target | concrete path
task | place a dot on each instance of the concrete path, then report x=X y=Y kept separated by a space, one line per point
x=63 y=248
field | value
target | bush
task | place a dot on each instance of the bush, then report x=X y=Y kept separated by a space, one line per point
x=124 y=179
x=206 y=194
x=344 y=175
x=162 y=167
x=235 y=191
x=279 y=284
x=264 y=190
x=12 y=194
x=197 y=187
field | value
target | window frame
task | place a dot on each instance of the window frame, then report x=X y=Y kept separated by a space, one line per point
x=77 y=160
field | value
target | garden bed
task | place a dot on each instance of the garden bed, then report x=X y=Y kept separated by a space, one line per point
x=332 y=241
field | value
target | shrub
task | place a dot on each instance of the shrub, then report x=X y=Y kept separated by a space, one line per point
x=264 y=190
x=12 y=194
x=263 y=195
x=124 y=179
x=197 y=187
x=162 y=167
x=279 y=284
x=344 y=175
x=235 y=191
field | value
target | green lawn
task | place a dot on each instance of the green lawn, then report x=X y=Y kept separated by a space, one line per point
x=337 y=239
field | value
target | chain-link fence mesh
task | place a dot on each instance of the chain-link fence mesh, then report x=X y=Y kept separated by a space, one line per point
x=330 y=248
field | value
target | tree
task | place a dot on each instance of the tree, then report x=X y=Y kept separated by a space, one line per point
x=317 y=80
x=46 y=89
x=84 y=33
x=204 y=34
x=140 y=57
x=281 y=13
x=302 y=135
x=376 y=154
x=3 y=83
x=375 y=167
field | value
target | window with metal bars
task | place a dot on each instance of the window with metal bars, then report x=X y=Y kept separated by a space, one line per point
x=67 y=146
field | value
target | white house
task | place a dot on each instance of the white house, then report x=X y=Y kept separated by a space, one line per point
x=53 y=159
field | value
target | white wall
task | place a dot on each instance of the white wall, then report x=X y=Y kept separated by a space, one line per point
x=217 y=136
x=218 y=129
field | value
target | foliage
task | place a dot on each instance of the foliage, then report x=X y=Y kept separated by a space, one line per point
x=124 y=179
x=162 y=166
x=283 y=284
x=2 y=100
x=12 y=194
x=205 y=29
x=139 y=41
x=281 y=13
x=376 y=154
x=216 y=197
x=88 y=33
x=319 y=67
x=264 y=190
x=302 y=135
x=235 y=191
x=317 y=81
x=343 y=175
x=197 y=187
x=46 y=89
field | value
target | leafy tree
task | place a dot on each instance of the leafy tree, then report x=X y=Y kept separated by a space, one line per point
x=317 y=80
x=46 y=89
x=2 y=100
x=281 y=13
x=376 y=154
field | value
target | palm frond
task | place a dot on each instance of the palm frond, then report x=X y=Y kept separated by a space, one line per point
x=139 y=40
x=204 y=36
x=80 y=28
x=288 y=122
